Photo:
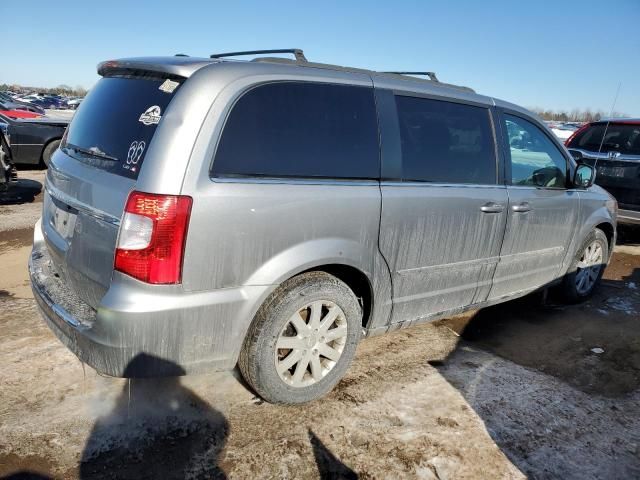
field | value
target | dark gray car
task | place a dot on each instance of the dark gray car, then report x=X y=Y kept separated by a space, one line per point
x=271 y=213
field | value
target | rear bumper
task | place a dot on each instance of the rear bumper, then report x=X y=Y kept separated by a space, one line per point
x=629 y=216
x=138 y=331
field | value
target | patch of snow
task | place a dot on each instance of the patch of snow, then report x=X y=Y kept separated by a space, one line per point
x=622 y=305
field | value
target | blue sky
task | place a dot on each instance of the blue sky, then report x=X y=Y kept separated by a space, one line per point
x=560 y=54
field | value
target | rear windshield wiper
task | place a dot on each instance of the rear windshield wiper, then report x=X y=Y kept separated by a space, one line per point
x=91 y=152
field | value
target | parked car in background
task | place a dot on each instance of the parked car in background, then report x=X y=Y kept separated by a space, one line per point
x=613 y=147
x=13 y=104
x=33 y=141
x=74 y=102
x=8 y=173
x=8 y=111
x=42 y=101
x=563 y=130
x=269 y=213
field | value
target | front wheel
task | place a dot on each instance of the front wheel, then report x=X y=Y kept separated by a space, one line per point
x=302 y=340
x=587 y=268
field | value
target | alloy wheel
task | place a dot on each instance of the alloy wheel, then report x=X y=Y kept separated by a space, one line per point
x=311 y=343
x=588 y=268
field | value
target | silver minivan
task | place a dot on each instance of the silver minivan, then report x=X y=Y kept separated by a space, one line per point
x=203 y=213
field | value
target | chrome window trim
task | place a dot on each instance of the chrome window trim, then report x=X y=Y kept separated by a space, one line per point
x=294 y=181
x=413 y=183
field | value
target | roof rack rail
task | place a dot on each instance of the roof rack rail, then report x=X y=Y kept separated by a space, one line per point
x=297 y=53
x=431 y=75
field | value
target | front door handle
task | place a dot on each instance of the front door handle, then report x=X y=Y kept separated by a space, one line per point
x=491 y=207
x=521 y=207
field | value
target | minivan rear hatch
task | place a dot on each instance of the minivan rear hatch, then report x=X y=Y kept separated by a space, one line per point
x=94 y=171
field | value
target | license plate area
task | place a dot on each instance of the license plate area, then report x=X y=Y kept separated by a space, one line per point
x=61 y=217
x=617 y=172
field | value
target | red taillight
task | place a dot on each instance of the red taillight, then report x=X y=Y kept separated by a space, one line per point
x=152 y=237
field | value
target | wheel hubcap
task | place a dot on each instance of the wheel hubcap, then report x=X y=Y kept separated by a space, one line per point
x=589 y=267
x=311 y=343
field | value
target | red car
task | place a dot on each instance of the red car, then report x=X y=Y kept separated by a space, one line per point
x=19 y=114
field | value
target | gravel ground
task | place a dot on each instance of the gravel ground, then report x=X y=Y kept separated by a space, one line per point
x=513 y=391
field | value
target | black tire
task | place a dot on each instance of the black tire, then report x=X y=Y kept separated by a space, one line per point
x=48 y=151
x=569 y=289
x=257 y=358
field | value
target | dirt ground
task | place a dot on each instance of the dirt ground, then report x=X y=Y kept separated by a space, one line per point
x=512 y=391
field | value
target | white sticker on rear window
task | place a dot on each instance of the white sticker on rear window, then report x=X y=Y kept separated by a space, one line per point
x=151 y=116
x=168 y=86
x=134 y=154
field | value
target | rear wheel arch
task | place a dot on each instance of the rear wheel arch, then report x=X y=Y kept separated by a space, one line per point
x=356 y=280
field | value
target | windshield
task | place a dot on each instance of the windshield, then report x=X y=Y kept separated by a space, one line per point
x=115 y=123
x=623 y=138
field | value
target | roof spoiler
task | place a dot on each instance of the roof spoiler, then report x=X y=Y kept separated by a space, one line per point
x=144 y=67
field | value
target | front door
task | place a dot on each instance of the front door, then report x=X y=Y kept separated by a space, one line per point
x=542 y=212
x=443 y=220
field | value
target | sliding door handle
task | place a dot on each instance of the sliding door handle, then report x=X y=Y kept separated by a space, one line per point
x=521 y=207
x=491 y=207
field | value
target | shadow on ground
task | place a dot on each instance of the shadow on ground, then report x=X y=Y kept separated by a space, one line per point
x=22 y=191
x=593 y=347
x=158 y=428
x=558 y=339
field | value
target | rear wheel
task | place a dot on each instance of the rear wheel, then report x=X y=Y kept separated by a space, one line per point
x=48 y=151
x=302 y=340
x=587 y=267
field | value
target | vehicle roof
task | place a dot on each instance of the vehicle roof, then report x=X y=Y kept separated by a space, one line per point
x=186 y=66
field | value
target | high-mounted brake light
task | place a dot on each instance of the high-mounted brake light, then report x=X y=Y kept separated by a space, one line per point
x=152 y=237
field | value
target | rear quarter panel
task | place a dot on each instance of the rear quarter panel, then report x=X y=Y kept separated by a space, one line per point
x=263 y=233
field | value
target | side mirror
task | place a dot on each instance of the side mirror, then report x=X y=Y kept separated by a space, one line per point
x=585 y=176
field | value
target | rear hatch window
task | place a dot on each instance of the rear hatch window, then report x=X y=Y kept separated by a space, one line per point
x=623 y=138
x=115 y=123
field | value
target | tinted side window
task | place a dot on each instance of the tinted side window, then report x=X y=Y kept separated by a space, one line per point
x=445 y=142
x=535 y=160
x=301 y=130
